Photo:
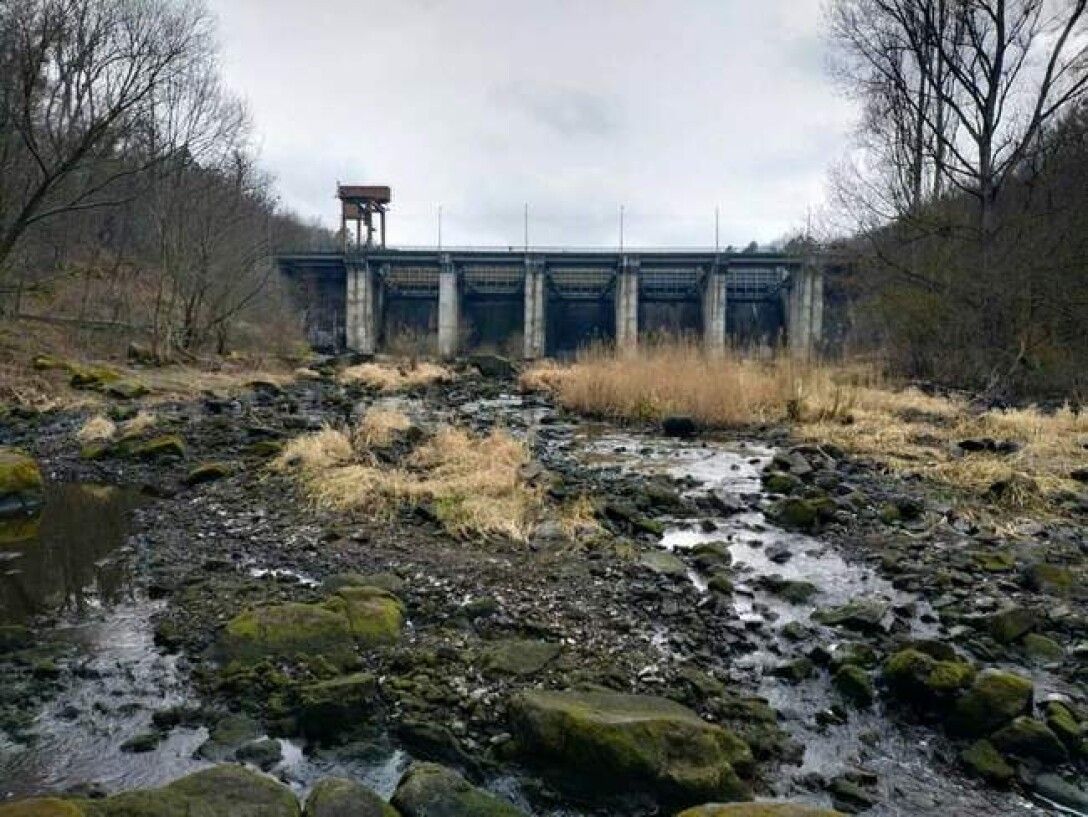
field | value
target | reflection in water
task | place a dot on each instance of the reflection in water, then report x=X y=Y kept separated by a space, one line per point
x=65 y=559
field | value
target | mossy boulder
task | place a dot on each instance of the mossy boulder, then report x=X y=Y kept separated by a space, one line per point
x=920 y=678
x=779 y=482
x=986 y=762
x=1043 y=650
x=375 y=616
x=1049 y=578
x=290 y=630
x=21 y=483
x=795 y=591
x=337 y=797
x=1011 y=624
x=166 y=446
x=517 y=656
x=222 y=791
x=207 y=472
x=1028 y=737
x=127 y=390
x=1064 y=724
x=430 y=790
x=41 y=807
x=600 y=743
x=796 y=513
x=994 y=699
x=854 y=684
x=85 y=376
x=386 y=581
x=758 y=810
x=863 y=615
x=326 y=708
x=711 y=555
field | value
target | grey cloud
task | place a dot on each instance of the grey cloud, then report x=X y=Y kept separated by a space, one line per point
x=570 y=112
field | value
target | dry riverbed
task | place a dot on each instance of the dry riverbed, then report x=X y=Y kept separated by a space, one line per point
x=672 y=622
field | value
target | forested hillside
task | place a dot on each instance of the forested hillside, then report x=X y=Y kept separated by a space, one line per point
x=966 y=200
x=132 y=204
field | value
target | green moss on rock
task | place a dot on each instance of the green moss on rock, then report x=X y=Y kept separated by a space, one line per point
x=222 y=791
x=1028 y=737
x=1064 y=724
x=604 y=743
x=430 y=790
x=20 y=482
x=375 y=615
x=207 y=472
x=1009 y=625
x=517 y=656
x=326 y=708
x=920 y=678
x=854 y=684
x=986 y=762
x=337 y=797
x=162 y=447
x=1042 y=649
x=758 y=810
x=994 y=699
x=289 y=630
x=1049 y=578
x=41 y=807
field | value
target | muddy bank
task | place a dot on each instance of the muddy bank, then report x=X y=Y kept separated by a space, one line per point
x=699 y=587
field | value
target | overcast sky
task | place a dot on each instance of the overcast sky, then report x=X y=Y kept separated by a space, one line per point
x=669 y=107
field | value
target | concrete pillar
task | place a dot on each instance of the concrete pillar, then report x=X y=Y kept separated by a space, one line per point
x=805 y=312
x=715 y=300
x=362 y=308
x=535 y=301
x=627 y=303
x=449 y=308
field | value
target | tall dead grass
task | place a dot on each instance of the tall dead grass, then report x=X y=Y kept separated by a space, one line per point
x=473 y=484
x=850 y=406
x=390 y=378
x=677 y=378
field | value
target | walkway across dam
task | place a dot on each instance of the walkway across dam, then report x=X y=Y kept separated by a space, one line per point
x=549 y=302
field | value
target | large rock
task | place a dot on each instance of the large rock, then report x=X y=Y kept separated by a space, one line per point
x=325 y=708
x=20 y=483
x=289 y=630
x=337 y=797
x=222 y=791
x=491 y=365
x=994 y=699
x=517 y=656
x=758 y=810
x=1011 y=624
x=920 y=678
x=608 y=743
x=376 y=616
x=985 y=761
x=865 y=615
x=1027 y=737
x=430 y=790
x=41 y=807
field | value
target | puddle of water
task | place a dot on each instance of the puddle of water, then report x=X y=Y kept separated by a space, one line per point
x=68 y=560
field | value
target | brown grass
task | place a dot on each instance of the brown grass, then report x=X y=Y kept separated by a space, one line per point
x=379 y=427
x=143 y=421
x=388 y=377
x=97 y=429
x=473 y=483
x=850 y=406
x=666 y=379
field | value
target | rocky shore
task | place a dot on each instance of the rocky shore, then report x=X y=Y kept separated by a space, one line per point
x=746 y=618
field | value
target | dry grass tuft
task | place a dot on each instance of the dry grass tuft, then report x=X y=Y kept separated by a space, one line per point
x=473 y=483
x=847 y=405
x=143 y=421
x=97 y=429
x=389 y=378
x=379 y=428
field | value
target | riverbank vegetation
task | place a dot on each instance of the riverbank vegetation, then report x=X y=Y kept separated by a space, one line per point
x=471 y=484
x=1019 y=457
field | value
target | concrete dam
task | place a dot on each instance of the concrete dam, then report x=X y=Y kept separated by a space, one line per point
x=537 y=302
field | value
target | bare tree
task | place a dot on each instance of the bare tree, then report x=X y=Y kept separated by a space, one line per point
x=78 y=82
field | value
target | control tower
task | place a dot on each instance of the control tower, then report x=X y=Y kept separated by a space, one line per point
x=359 y=203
